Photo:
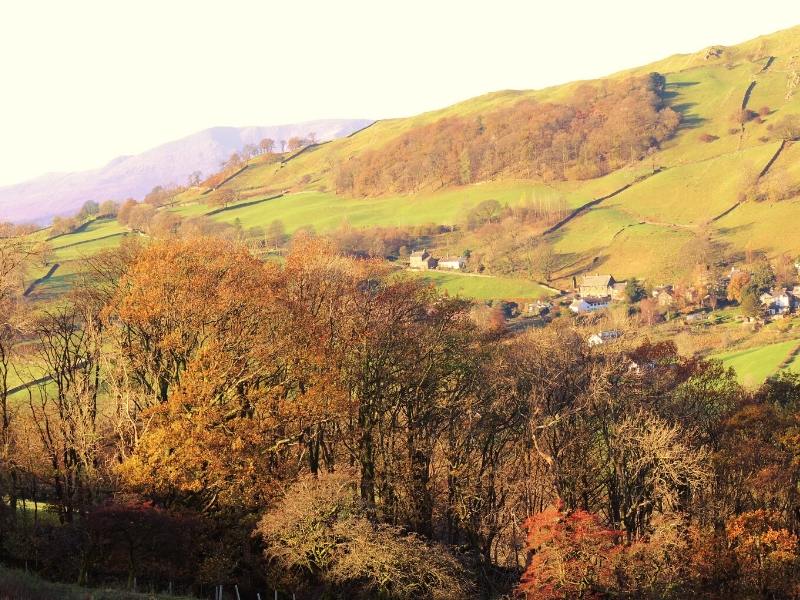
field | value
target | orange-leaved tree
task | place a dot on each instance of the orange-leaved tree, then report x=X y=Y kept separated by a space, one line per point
x=572 y=555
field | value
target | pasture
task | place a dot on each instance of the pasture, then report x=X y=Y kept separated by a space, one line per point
x=754 y=365
x=483 y=287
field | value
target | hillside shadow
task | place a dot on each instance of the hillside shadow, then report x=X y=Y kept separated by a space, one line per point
x=736 y=229
x=689 y=119
x=672 y=90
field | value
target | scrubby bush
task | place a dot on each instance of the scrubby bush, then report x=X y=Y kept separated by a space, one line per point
x=322 y=531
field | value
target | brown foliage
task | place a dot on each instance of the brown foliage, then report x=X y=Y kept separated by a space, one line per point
x=320 y=531
x=601 y=129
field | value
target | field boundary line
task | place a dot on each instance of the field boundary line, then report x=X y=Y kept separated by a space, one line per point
x=216 y=211
x=592 y=203
x=41 y=280
x=224 y=181
x=789 y=358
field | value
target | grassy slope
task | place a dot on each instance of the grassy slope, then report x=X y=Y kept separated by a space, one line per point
x=325 y=211
x=701 y=180
x=754 y=365
x=632 y=234
x=484 y=288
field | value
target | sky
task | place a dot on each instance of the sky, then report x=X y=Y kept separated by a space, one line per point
x=86 y=81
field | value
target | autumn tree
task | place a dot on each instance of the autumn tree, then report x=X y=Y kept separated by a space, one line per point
x=165 y=223
x=739 y=281
x=267 y=145
x=222 y=197
x=487 y=211
x=17 y=254
x=108 y=208
x=649 y=311
x=766 y=554
x=320 y=531
x=275 y=234
x=197 y=336
x=249 y=151
x=294 y=143
x=63 y=225
x=788 y=127
x=90 y=208
x=140 y=216
x=572 y=556
x=125 y=210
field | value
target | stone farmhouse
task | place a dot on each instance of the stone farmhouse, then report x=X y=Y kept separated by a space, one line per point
x=422 y=260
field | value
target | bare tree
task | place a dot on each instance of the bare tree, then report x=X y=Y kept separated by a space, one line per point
x=194 y=178
x=64 y=407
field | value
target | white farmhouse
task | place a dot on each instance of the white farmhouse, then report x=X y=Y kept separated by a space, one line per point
x=455 y=263
x=589 y=304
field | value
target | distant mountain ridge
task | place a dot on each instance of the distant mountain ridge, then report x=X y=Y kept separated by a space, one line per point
x=39 y=200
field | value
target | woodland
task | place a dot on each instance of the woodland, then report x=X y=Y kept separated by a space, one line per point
x=329 y=428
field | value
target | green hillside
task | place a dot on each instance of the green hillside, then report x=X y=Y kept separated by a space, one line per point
x=702 y=177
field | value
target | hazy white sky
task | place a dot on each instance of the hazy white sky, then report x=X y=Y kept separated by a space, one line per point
x=86 y=81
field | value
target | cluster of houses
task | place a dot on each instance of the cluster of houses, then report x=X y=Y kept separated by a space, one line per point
x=424 y=261
x=781 y=301
x=596 y=292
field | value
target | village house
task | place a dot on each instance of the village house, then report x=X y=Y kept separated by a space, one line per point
x=778 y=302
x=665 y=296
x=597 y=286
x=455 y=263
x=601 y=337
x=589 y=304
x=540 y=307
x=423 y=260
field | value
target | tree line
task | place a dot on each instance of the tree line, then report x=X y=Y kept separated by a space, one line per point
x=599 y=129
x=327 y=427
